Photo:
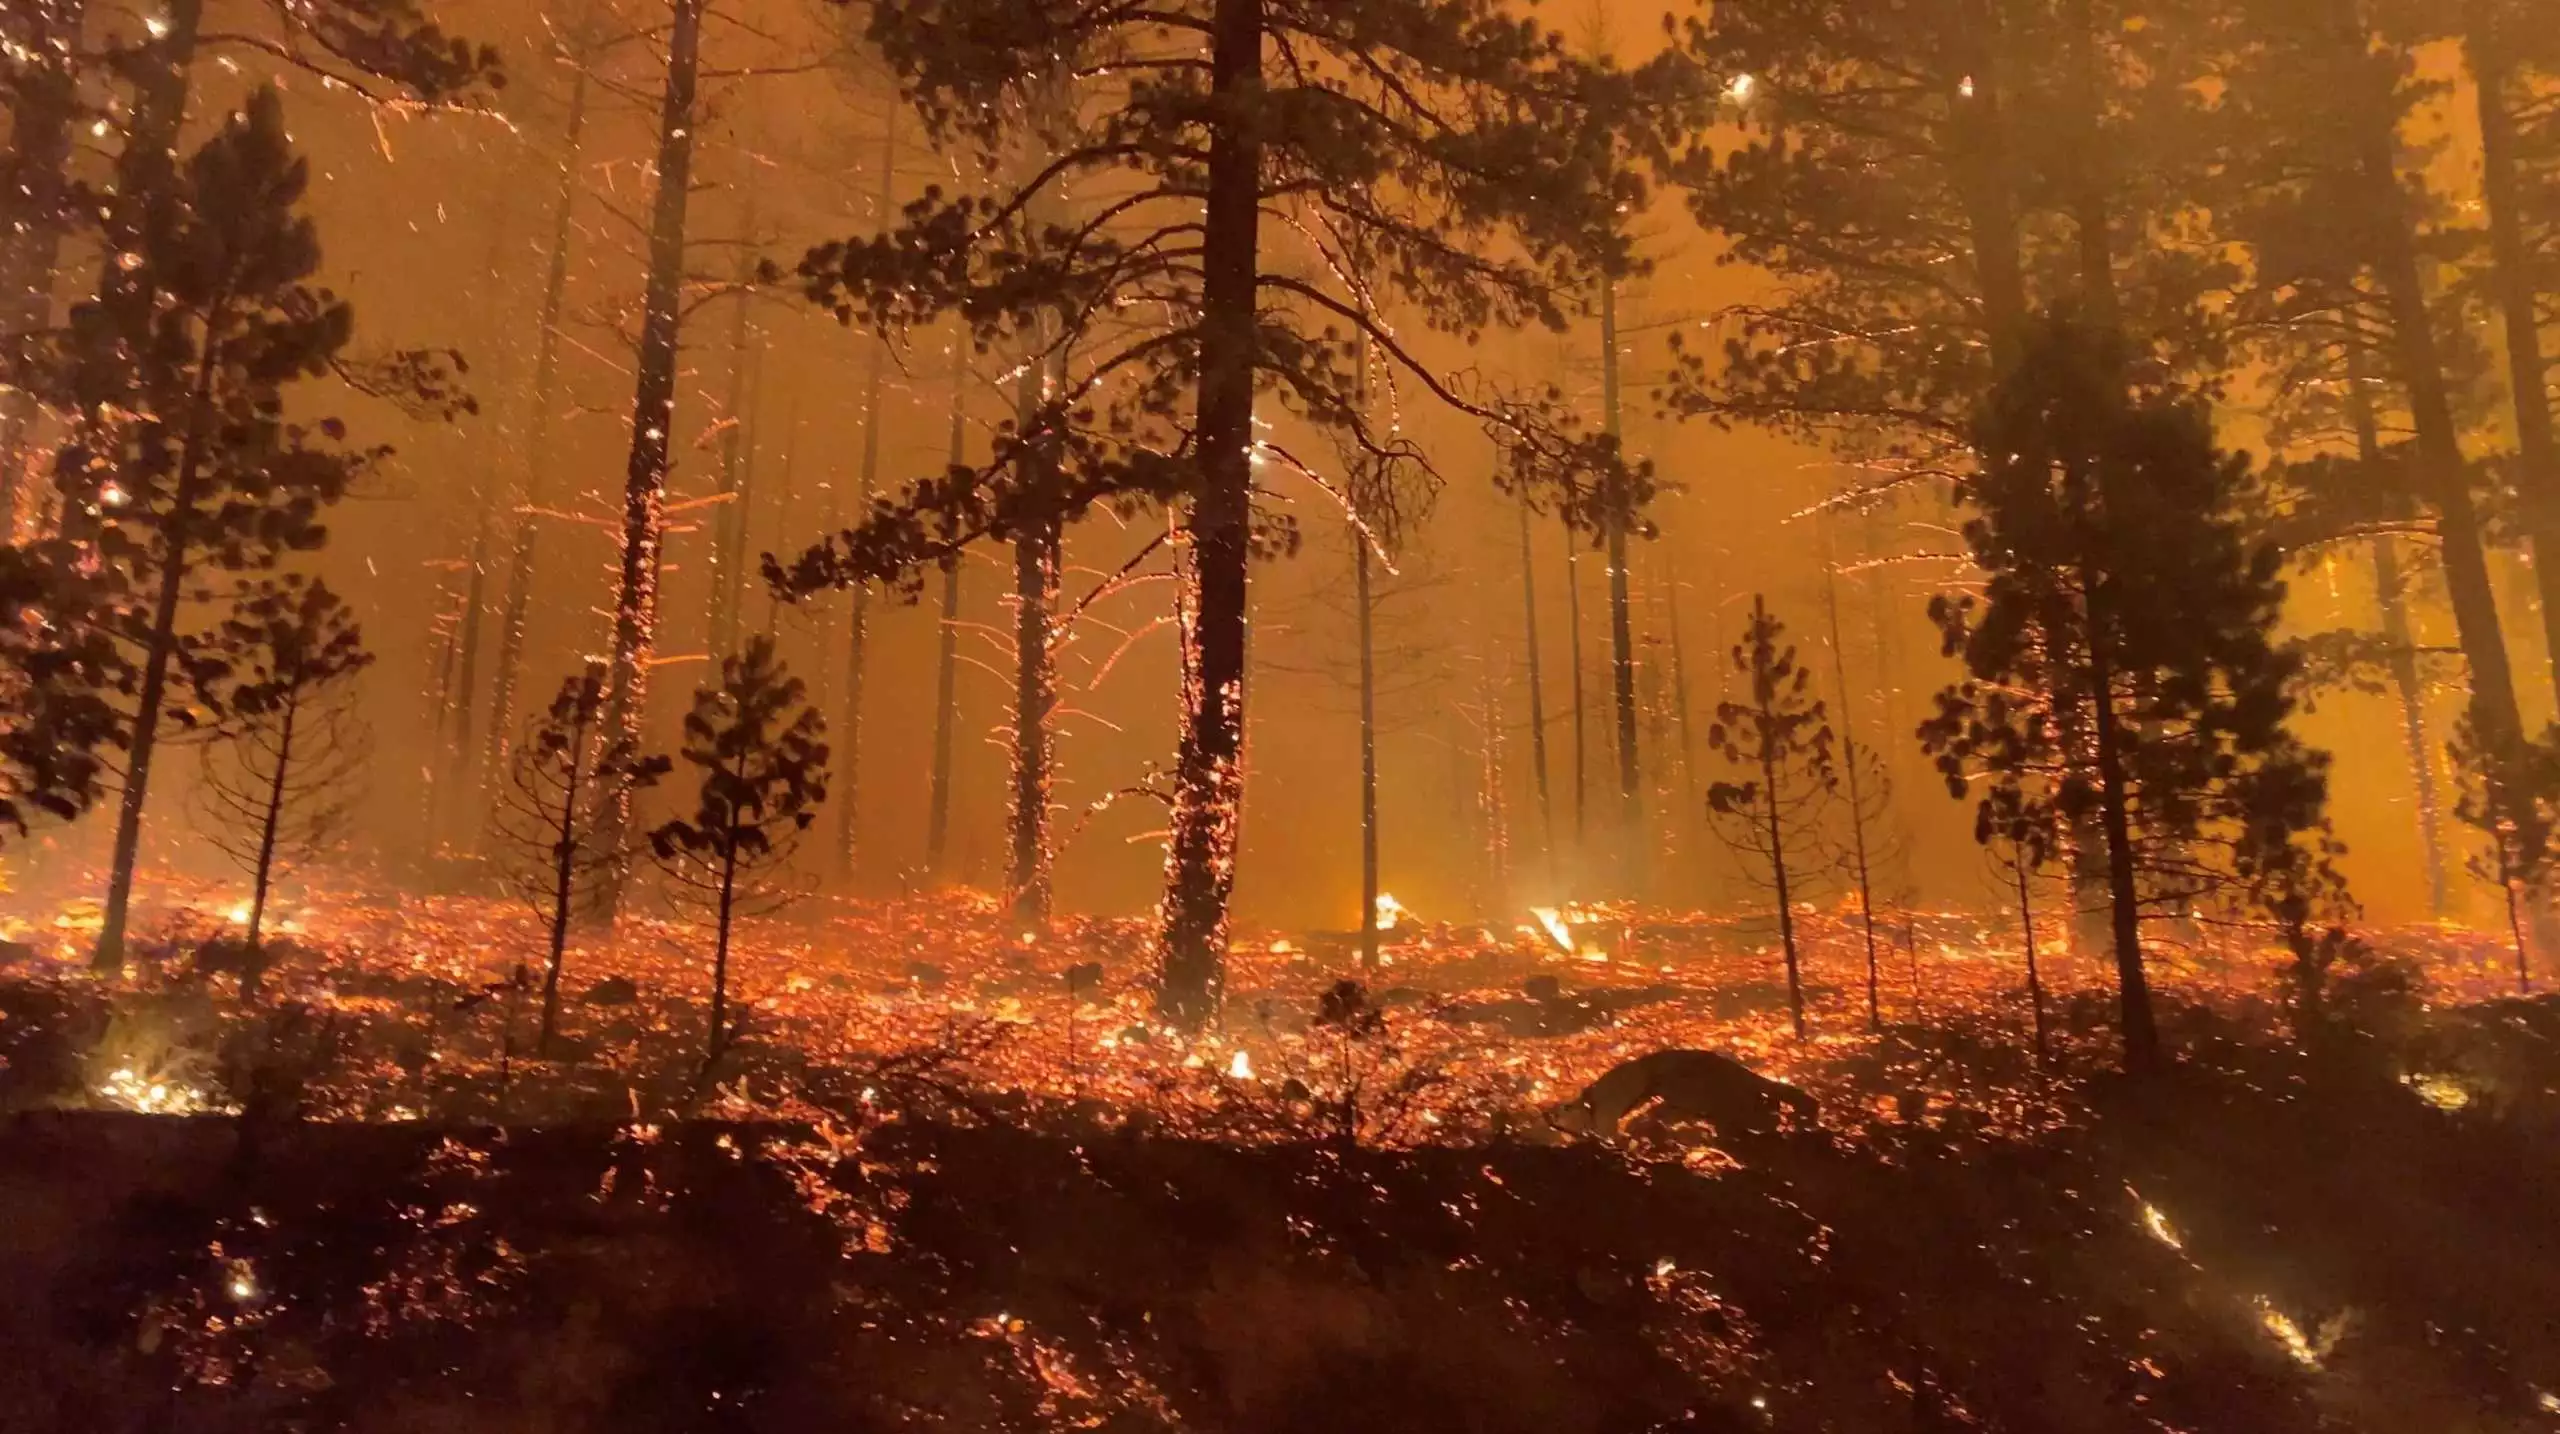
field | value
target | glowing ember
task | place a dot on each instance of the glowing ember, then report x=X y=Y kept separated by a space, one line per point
x=2156 y=1225
x=130 y=1091
x=2444 y=1092
x=2287 y=1334
x=1240 y=1066
x=1552 y=922
x=1390 y=911
x=238 y=915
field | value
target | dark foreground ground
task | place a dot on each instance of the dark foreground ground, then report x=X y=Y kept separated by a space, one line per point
x=2263 y=1242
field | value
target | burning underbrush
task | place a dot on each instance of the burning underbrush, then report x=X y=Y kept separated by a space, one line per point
x=954 y=1176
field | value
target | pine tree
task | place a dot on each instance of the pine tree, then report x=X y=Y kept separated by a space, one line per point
x=2123 y=599
x=761 y=753
x=184 y=471
x=59 y=665
x=40 y=43
x=570 y=774
x=1446 y=127
x=1780 y=740
x=278 y=789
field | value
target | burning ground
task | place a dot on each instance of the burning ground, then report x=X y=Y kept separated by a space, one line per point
x=953 y=1178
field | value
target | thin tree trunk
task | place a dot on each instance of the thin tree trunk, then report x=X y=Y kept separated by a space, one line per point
x=564 y=855
x=2035 y=978
x=1983 y=170
x=1537 y=689
x=458 y=702
x=1786 y=901
x=253 y=962
x=1857 y=798
x=537 y=472
x=2538 y=478
x=1362 y=599
x=2400 y=638
x=1035 y=691
x=719 y=1036
x=849 y=800
x=174 y=566
x=653 y=410
x=946 y=665
x=1622 y=648
x=784 y=504
x=1581 y=748
x=1200 y=858
x=36 y=174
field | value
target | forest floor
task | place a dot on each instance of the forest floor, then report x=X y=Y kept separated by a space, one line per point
x=951 y=1178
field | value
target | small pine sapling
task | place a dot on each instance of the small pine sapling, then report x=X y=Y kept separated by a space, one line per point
x=2512 y=797
x=569 y=777
x=281 y=788
x=761 y=750
x=1780 y=740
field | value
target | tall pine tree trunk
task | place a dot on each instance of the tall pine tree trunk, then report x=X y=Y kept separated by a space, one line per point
x=2443 y=470
x=2400 y=638
x=2090 y=222
x=1573 y=653
x=1537 y=689
x=2538 y=478
x=1366 y=604
x=1035 y=685
x=1622 y=642
x=160 y=650
x=537 y=469
x=653 y=411
x=946 y=664
x=1984 y=171
x=43 y=103
x=729 y=516
x=2115 y=816
x=1200 y=858
x=1786 y=898
x=849 y=800
x=1859 y=867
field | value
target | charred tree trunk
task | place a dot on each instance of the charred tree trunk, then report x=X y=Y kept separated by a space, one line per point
x=946 y=665
x=653 y=410
x=1537 y=689
x=2035 y=976
x=564 y=872
x=1769 y=779
x=1200 y=859
x=2141 y=1032
x=537 y=473
x=2091 y=224
x=1622 y=643
x=1365 y=602
x=849 y=801
x=43 y=104
x=253 y=958
x=2538 y=481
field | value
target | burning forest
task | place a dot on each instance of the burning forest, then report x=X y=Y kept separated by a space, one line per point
x=1257 y=715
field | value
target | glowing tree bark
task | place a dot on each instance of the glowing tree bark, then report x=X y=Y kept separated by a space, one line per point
x=1036 y=552
x=946 y=655
x=1622 y=643
x=35 y=176
x=653 y=407
x=535 y=491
